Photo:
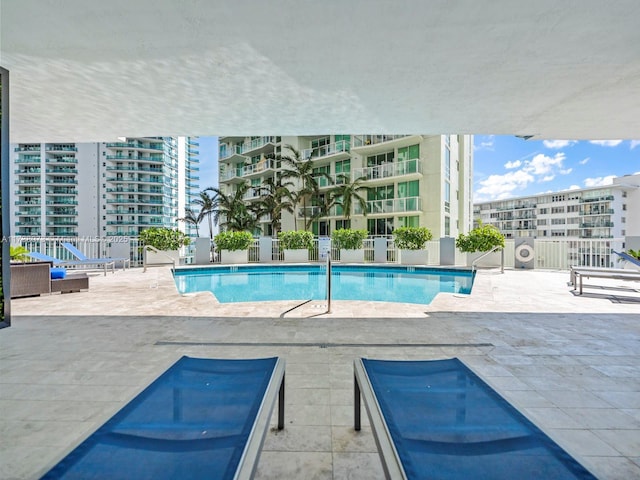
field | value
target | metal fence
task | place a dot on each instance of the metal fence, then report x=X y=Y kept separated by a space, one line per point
x=557 y=254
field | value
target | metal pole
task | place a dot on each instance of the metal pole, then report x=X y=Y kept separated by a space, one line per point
x=328 y=282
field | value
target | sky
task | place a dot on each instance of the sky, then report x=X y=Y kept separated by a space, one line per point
x=506 y=166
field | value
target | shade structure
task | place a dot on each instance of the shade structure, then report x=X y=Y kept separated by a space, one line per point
x=202 y=418
x=438 y=420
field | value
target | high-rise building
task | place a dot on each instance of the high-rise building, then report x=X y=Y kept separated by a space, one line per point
x=102 y=189
x=411 y=180
x=611 y=211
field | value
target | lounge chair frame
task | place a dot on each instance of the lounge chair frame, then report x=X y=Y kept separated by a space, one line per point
x=126 y=262
x=391 y=464
x=74 y=263
x=615 y=274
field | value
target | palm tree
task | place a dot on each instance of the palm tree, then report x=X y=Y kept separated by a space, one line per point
x=206 y=204
x=275 y=198
x=193 y=217
x=346 y=192
x=231 y=211
x=301 y=169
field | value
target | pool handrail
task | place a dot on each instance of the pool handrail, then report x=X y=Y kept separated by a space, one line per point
x=473 y=264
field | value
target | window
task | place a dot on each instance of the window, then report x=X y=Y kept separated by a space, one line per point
x=623 y=219
x=411 y=152
x=542 y=221
x=380 y=226
x=447 y=226
x=343 y=224
x=624 y=207
x=542 y=211
x=447 y=162
x=557 y=221
x=447 y=196
x=573 y=208
x=413 y=221
x=557 y=210
x=380 y=159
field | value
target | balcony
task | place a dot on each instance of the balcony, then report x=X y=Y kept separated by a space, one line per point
x=333 y=151
x=314 y=211
x=27 y=181
x=61 y=181
x=135 y=190
x=136 y=212
x=63 y=212
x=61 y=148
x=136 y=145
x=370 y=144
x=62 y=191
x=29 y=212
x=596 y=211
x=135 y=168
x=28 y=159
x=596 y=225
x=27 y=171
x=333 y=180
x=258 y=168
x=27 y=191
x=30 y=202
x=126 y=201
x=62 y=160
x=128 y=233
x=60 y=222
x=28 y=223
x=27 y=148
x=62 y=171
x=391 y=205
x=388 y=170
x=232 y=175
x=603 y=198
x=137 y=158
x=61 y=201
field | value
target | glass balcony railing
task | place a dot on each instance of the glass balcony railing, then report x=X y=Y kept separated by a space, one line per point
x=27 y=148
x=62 y=171
x=342 y=146
x=366 y=140
x=139 y=145
x=62 y=180
x=28 y=159
x=27 y=171
x=61 y=148
x=62 y=160
x=388 y=170
x=391 y=205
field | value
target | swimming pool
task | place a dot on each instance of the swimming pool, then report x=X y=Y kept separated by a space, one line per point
x=250 y=283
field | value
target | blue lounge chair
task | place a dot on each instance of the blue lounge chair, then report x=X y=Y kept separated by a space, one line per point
x=73 y=263
x=126 y=262
x=202 y=418
x=437 y=419
x=625 y=256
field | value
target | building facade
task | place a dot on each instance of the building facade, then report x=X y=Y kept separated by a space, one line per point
x=410 y=180
x=611 y=211
x=102 y=189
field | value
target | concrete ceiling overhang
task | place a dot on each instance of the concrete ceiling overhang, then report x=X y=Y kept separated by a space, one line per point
x=86 y=70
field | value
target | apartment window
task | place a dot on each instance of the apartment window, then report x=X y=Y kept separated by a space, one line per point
x=573 y=208
x=623 y=232
x=343 y=167
x=343 y=224
x=624 y=194
x=447 y=163
x=380 y=226
x=623 y=219
x=542 y=211
x=542 y=221
x=557 y=221
x=624 y=207
x=573 y=220
x=380 y=159
x=557 y=198
x=447 y=226
x=412 y=221
x=447 y=196
x=408 y=153
x=320 y=142
x=557 y=210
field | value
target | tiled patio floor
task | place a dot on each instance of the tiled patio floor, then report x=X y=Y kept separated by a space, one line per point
x=569 y=363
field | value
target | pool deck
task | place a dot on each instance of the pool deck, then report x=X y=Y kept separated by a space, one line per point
x=569 y=363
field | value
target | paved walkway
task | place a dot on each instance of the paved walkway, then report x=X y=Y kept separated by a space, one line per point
x=569 y=363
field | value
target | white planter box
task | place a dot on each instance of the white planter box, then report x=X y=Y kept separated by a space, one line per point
x=414 y=257
x=234 y=256
x=352 y=256
x=296 y=256
x=163 y=257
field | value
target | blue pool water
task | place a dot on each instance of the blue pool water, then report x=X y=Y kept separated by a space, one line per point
x=266 y=283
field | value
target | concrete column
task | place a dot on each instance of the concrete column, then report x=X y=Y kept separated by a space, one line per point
x=380 y=250
x=266 y=249
x=447 y=251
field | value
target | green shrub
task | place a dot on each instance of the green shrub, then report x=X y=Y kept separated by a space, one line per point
x=480 y=239
x=295 y=240
x=634 y=253
x=18 y=253
x=411 y=238
x=348 y=239
x=164 y=238
x=233 y=241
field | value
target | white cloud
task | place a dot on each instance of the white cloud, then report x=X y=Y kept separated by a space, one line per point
x=566 y=172
x=574 y=187
x=485 y=144
x=599 y=181
x=634 y=144
x=514 y=164
x=606 y=143
x=548 y=178
x=584 y=161
x=542 y=164
x=503 y=186
x=558 y=143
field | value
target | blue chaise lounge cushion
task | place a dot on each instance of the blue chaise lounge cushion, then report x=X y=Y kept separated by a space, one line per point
x=58 y=272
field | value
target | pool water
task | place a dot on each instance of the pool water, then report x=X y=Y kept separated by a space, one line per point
x=266 y=283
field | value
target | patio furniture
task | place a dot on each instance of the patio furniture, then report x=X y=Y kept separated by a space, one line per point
x=613 y=273
x=437 y=419
x=74 y=263
x=30 y=278
x=70 y=283
x=202 y=418
x=628 y=258
x=126 y=262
